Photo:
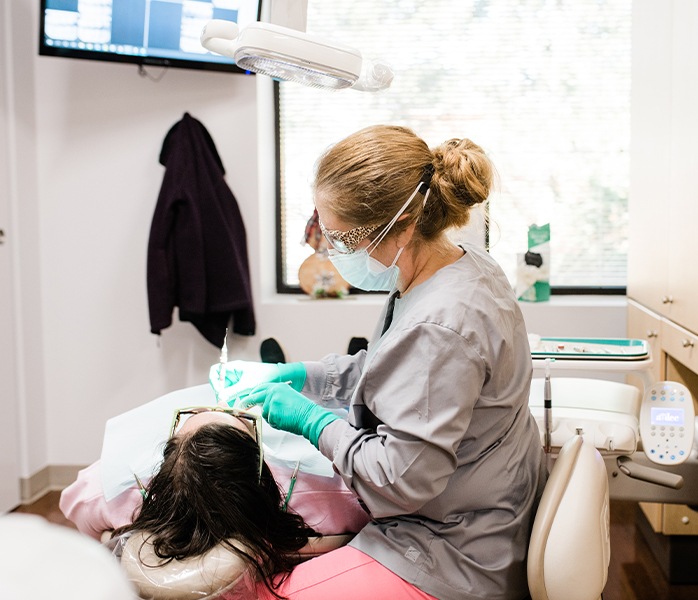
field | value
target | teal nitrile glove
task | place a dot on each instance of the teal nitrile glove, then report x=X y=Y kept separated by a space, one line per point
x=242 y=375
x=285 y=408
x=294 y=372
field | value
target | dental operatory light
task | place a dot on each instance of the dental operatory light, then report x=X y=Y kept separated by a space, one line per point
x=292 y=55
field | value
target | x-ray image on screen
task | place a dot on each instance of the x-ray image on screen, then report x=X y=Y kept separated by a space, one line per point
x=158 y=32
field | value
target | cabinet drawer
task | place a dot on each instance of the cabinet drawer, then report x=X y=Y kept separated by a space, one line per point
x=679 y=520
x=680 y=344
x=654 y=513
x=671 y=519
x=646 y=325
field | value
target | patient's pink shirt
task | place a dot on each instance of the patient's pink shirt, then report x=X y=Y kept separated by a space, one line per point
x=325 y=503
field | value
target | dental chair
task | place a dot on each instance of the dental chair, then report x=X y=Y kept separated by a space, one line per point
x=219 y=574
x=607 y=411
x=569 y=550
x=568 y=555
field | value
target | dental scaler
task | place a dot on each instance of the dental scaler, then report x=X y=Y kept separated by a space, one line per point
x=223 y=360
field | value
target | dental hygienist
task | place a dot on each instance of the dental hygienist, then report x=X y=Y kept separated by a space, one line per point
x=438 y=444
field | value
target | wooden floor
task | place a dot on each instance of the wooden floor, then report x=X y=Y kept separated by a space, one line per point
x=634 y=574
x=47 y=507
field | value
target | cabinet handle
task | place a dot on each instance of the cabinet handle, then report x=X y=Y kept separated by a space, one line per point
x=667 y=300
x=687 y=343
x=651 y=334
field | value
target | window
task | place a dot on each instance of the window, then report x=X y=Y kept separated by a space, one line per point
x=542 y=86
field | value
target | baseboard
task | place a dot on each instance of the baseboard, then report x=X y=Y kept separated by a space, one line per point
x=49 y=479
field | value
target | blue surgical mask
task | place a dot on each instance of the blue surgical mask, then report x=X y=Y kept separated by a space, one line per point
x=360 y=270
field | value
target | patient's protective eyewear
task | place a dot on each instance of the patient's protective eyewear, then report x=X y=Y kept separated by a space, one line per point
x=345 y=242
x=254 y=421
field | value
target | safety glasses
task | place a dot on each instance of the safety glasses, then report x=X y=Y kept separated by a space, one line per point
x=345 y=242
x=252 y=421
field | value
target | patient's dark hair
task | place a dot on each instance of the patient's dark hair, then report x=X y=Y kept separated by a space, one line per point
x=207 y=492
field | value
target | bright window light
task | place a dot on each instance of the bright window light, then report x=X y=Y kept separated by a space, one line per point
x=544 y=87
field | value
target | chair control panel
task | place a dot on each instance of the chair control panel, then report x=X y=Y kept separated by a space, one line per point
x=667 y=423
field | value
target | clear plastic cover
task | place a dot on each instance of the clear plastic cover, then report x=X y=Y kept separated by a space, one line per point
x=218 y=574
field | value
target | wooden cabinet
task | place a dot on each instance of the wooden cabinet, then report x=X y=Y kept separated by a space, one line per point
x=682 y=268
x=644 y=324
x=675 y=357
x=662 y=269
x=679 y=345
x=650 y=152
x=663 y=204
x=671 y=519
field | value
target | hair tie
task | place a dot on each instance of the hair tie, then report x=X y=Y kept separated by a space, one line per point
x=425 y=180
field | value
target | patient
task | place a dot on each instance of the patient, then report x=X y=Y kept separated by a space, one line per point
x=213 y=490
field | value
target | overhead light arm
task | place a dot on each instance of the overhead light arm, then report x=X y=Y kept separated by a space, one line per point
x=292 y=55
x=218 y=34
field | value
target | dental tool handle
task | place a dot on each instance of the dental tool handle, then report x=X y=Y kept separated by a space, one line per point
x=223 y=358
x=291 y=485
x=547 y=409
x=648 y=474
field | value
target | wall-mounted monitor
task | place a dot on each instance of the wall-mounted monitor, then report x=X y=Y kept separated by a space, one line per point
x=162 y=33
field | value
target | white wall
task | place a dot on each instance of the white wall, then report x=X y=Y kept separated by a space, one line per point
x=9 y=441
x=88 y=136
x=98 y=140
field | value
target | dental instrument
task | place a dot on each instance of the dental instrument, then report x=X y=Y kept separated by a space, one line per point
x=219 y=386
x=223 y=359
x=141 y=487
x=547 y=408
x=291 y=485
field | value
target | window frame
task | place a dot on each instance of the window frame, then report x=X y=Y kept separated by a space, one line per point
x=285 y=288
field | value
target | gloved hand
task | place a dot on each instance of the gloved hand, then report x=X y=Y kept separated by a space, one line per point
x=285 y=408
x=242 y=375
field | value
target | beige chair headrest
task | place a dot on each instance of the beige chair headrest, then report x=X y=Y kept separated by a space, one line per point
x=194 y=578
x=201 y=577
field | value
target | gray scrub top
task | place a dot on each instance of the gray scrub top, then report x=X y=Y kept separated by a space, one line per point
x=439 y=443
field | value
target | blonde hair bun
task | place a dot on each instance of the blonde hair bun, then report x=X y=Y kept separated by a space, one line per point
x=463 y=173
